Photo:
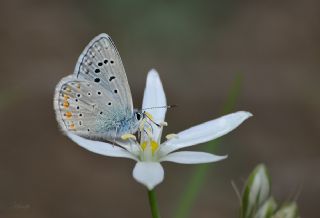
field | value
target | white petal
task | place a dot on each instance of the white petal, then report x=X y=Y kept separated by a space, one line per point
x=130 y=145
x=149 y=174
x=192 y=157
x=154 y=96
x=102 y=148
x=205 y=132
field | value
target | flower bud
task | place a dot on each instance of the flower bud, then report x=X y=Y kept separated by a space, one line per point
x=256 y=191
x=267 y=209
x=289 y=210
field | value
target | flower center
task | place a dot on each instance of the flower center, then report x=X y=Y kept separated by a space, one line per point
x=153 y=144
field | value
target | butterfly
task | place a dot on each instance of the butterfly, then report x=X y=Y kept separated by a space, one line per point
x=95 y=101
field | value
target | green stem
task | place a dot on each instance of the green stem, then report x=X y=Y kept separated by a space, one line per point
x=153 y=204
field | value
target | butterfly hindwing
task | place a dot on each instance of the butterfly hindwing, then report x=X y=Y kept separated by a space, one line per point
x=86 y=111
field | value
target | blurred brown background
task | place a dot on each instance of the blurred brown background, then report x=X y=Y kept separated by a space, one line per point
x=198 y=47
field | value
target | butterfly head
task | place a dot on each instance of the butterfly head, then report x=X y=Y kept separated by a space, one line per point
x=139 y=115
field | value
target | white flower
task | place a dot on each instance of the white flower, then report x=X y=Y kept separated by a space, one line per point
x=149 y=152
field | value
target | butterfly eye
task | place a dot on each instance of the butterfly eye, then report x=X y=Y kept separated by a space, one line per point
x=138 y=116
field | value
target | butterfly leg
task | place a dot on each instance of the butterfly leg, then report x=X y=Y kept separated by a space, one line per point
x=159 y=125
x=148 y=129
x=141 y=127
x=114 y=138
x=128 y=136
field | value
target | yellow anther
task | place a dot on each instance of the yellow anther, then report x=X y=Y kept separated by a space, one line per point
x=148 y=115
x=144 y=145
x=128 y=136
x=171 y=136
x=163 y=123
x=154 y=146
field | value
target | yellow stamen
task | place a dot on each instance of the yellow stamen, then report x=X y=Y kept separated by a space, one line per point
x=149 y=115
x=144 y=145
x=154 y=146
x=163 y=123
x=171 y=136
x=128 y=136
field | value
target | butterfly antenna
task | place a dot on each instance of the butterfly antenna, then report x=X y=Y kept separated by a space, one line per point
x=150 y=108
x=167 y=106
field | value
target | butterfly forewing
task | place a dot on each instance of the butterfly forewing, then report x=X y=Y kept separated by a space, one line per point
x=100 y=63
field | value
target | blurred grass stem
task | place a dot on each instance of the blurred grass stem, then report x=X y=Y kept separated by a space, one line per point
x=193 y=187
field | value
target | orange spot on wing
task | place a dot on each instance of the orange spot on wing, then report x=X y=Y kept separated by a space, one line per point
x=68 y=114
x=66 y=104
x=78 y=85
x=66 y=97
x=72 y=126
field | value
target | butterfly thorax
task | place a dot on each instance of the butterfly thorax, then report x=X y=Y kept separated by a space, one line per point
x=117 y=124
